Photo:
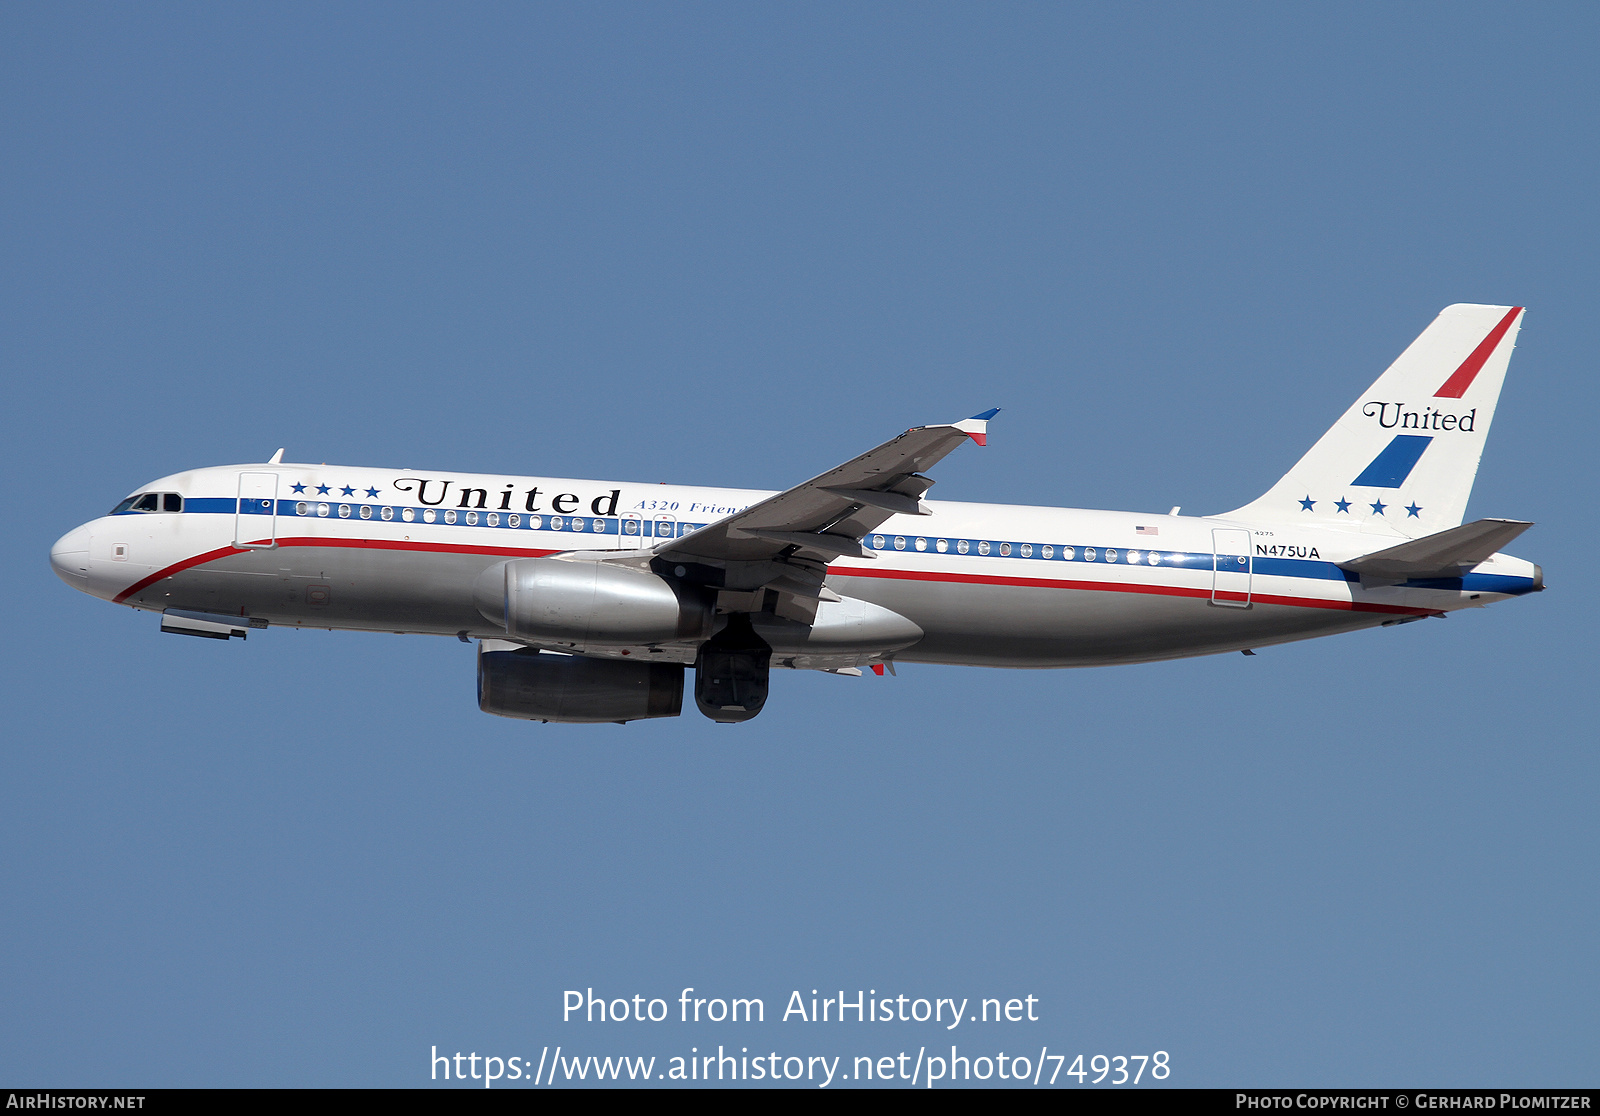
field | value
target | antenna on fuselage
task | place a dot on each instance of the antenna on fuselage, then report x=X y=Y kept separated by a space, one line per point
x=277 y=458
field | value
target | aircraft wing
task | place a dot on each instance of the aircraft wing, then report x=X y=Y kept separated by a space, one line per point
x=790 y=538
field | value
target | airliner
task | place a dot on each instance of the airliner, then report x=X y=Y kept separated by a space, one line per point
x=589 y=599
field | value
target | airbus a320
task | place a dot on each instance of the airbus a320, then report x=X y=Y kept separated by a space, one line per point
x=589 y=600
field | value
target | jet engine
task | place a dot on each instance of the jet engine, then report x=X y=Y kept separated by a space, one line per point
x=572 y=689
x=589 y=604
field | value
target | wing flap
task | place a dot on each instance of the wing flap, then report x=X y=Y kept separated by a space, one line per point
x=823 y=543
x=829 y=514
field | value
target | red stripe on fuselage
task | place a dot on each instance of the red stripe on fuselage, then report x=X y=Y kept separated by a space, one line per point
x=1461 y=379
x=1127 y=587
x=843 y=571
x=366 y=544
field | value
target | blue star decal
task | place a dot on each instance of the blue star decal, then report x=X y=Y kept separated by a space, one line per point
x=299 y=488
x=322 y=490
x=347 y=491
x=1342 y=505
x=1413 y=511
x=1307 y=504
x=372 y=493
x=1377 y=509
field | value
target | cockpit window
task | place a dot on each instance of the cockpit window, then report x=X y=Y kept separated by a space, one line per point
x=151 y=502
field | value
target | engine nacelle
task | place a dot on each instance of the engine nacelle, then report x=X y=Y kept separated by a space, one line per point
x=589 y=604
x=575 y=690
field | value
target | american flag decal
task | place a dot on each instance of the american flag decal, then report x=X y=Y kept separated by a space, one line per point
x=1147 y=530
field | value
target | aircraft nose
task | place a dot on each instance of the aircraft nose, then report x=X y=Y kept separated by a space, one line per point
x=69 y=557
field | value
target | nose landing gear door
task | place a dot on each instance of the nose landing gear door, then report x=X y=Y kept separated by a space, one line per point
x=255 y=525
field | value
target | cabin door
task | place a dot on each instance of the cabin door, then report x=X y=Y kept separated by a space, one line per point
x=1230 y=567
x=255 y=523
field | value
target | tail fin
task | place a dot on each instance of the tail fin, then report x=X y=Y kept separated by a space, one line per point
x=1405 y=454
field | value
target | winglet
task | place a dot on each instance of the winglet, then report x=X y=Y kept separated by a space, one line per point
x=276 y=459
x=977 y=427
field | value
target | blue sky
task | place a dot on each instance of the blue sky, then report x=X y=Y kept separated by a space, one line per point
x=738 y=244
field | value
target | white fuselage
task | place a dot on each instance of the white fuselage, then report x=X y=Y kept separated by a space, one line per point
x=989 y=584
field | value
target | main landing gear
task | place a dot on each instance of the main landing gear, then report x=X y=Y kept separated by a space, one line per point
x=731 y=672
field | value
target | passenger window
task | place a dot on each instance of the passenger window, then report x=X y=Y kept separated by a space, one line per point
x=171 y=501
x=146 y=503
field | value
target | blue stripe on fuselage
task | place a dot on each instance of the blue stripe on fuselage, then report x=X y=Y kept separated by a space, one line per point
x=1311 y=569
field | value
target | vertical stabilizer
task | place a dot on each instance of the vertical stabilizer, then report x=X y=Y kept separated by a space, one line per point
x=1405 y=454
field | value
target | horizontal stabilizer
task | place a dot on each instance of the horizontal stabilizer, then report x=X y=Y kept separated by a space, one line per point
x=1446 y=554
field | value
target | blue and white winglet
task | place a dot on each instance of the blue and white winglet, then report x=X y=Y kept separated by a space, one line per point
x=977 y=427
